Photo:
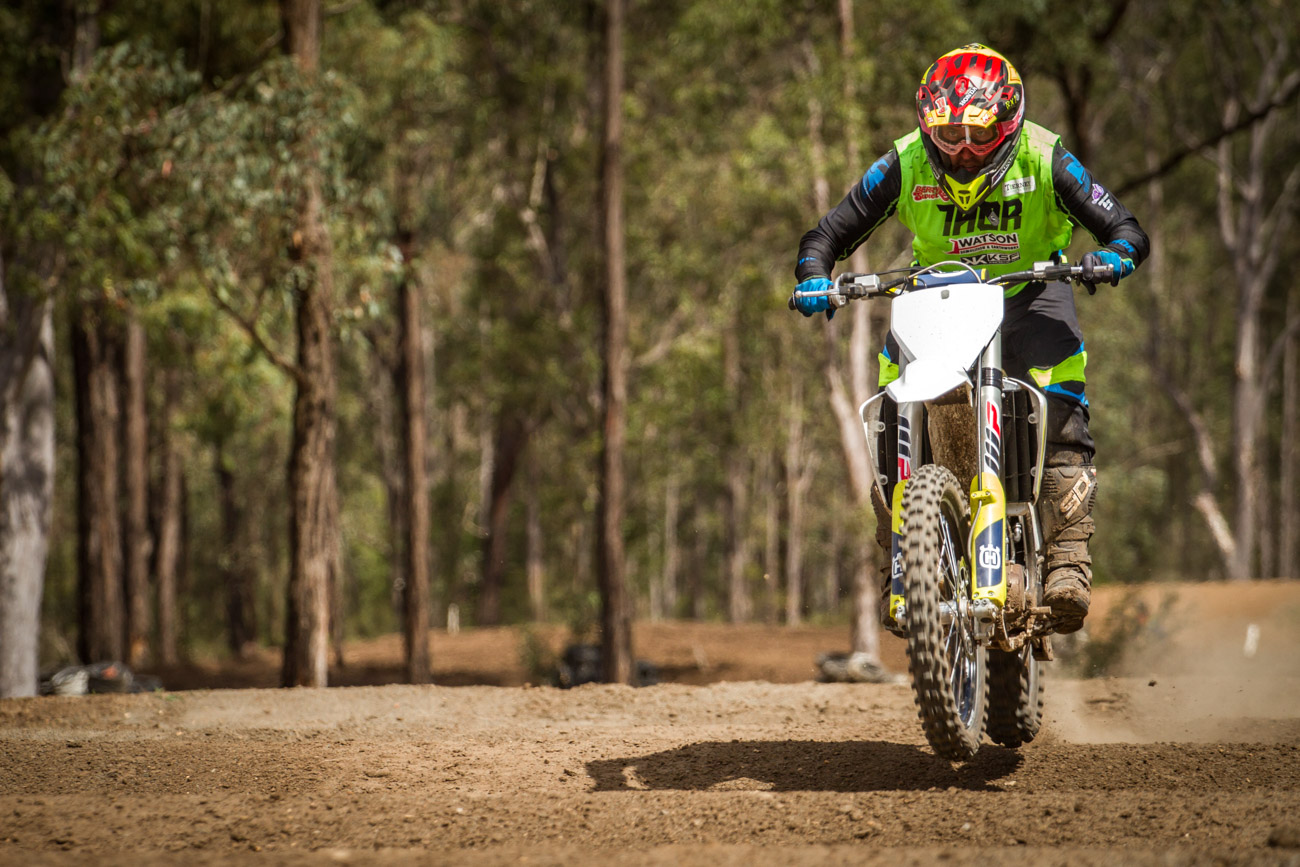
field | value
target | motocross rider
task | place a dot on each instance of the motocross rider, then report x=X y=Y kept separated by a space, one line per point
x=976 y=182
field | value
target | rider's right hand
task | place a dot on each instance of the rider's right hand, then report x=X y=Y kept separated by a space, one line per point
x=809 y=306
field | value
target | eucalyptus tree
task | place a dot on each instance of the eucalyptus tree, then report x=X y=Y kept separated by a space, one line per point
x=415 y=94
x=1258 y=183
x=1215 y=100
x=519 y=324
x=31 y=81
x=101 y=202
x=265 y=184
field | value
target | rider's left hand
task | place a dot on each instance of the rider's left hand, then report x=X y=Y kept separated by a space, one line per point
x=1121 y=266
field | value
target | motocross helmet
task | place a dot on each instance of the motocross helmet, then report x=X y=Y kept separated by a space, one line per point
x=971 y=111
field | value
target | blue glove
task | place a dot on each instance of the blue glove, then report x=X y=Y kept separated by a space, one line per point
x=1121 y=266
x=809 y=306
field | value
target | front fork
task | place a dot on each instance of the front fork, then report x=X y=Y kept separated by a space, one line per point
x=987 y=549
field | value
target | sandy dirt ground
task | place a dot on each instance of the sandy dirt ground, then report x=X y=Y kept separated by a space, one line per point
x=1190 y=755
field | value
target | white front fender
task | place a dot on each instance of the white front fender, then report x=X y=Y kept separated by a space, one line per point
x=941 y=332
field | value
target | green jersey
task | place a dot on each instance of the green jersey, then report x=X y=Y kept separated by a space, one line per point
x=1016 y=225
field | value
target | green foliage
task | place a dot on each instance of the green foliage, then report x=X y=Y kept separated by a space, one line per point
x=101 y=171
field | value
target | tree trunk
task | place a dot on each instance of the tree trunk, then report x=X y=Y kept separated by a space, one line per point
x=535 y=562
x=26 y=481
x=313 y=543
x=415 y=511
x=695 y=602
x=135 y=480
x=1289 y=482
x=869 y=326
x=95 y=351
x=798 y=477
x=616 y=621
x=831 y=577
x=739 y=604
x=168 y=527
x=772 y=538
x=313 y=491
x=672 y=550
x=94 y=355
x=1247 y=413
x=509 y=442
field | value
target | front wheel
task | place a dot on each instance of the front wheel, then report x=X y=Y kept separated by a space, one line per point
x=946 y=661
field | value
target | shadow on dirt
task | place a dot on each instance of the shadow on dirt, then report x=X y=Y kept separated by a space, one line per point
x=803 y=766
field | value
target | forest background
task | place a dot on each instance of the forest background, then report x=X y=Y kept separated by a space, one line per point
x=324 y=320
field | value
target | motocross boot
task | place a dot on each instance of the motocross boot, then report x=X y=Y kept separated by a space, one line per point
x=1068 y=495
x=885 y=539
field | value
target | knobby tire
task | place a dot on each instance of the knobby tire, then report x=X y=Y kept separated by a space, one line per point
x=952 y=711
x=1015 y=697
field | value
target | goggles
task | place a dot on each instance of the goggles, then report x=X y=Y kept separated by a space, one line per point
x=952 y=138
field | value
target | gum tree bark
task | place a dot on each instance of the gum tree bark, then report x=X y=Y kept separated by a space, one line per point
x=95 y=350
x=26 y=480
x=96 y=340
x=135 y=481
x=169 y=526
x=616 y=619
x=509 y=444
x=313 y=543
x=415 y=491
x=798 y=469
x=870 y=322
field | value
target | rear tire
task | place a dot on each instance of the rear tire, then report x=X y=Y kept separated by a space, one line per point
x=1015 y=677
x=1015 y=697
x=946 y=663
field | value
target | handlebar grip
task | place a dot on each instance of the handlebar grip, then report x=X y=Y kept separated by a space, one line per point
x=791 y=304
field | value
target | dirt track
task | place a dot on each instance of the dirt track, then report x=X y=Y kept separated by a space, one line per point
x=1162 y=768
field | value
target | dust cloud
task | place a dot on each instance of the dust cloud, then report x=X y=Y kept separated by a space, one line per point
x=1195 y=663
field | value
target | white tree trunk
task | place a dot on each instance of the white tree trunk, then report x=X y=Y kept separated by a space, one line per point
x=26 y=483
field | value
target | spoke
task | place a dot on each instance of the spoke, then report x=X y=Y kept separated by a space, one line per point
x=947 y=558
x=949 y=554
x=957 y=643
x=960 y=684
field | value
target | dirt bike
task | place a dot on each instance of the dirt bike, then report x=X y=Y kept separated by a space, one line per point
x=966 y=569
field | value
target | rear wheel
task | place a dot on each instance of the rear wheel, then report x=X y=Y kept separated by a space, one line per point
x=946 y=662
x=1015 y=685
x=1015 y=697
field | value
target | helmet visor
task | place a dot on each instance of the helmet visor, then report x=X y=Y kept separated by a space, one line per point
x=953 y=138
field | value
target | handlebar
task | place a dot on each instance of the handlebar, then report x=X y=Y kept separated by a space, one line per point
x=851 y=286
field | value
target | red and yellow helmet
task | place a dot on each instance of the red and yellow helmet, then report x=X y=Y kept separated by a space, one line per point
x=971 y=102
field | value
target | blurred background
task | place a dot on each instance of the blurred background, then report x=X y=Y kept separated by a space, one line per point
x=305 y=312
